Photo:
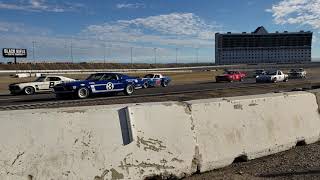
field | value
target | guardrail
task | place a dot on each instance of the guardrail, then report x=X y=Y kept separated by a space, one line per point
x=174 y=69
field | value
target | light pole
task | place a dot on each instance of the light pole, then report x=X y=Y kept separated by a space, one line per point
x=155 y=55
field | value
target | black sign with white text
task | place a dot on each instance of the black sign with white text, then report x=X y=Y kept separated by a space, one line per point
x=12 y=52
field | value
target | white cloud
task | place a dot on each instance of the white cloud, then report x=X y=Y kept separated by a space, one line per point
x=11 y=27
x=22 y=29
x=185 y=29
x=130 y=6
x=39 y=6
x=175 y=24
x=304 y=12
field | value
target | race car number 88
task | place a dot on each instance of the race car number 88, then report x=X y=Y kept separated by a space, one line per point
x=109 y=86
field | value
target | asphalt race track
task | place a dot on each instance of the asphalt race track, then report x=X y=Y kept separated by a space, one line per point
x=47 y=100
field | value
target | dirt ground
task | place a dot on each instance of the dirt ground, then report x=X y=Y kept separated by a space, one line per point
x=301 y=162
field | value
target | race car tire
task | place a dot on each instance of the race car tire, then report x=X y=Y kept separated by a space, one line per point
x=285 y=80
x=164 y=84
x=241 y=79
x=145 y=85
x=129 y=90
x=29 y=90
x=83 y=93
x=274 y=80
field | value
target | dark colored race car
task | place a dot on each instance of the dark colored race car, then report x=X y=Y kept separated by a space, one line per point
x=231 y=76
x=99 y=83
x=154 y=80
x=259 y=72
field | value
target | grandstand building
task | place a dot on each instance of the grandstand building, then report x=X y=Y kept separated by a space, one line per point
x=263 y=47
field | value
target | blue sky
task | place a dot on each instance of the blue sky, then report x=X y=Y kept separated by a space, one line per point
x=98 y=30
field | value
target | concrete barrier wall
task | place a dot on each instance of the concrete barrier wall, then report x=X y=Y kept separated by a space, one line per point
x=72 y=143
x=139 y=141
x=103 y=142
x=253 y=126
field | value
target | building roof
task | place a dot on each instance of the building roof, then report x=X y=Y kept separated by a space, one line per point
x=260 y=30
x=263 y=31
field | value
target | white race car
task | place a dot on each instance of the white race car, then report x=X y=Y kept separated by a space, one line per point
x=272 y=76
x=41 y=84
x=297 y=73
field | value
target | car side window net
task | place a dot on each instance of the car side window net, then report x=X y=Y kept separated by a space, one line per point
x=149 y=76
x=109 y=77
x=54 y=79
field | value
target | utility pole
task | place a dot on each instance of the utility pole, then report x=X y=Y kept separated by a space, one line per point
x=155 y=55
x=197 y=55
x=104 y=53
x=71 y=51
x=177 y=55
x=33 y=50
x=131 y=57
x=109 y=52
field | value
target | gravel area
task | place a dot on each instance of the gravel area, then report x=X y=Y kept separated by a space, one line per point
x=301 y=162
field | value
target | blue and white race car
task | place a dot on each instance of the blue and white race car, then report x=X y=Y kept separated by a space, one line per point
x=154 y=80
x=99 y=83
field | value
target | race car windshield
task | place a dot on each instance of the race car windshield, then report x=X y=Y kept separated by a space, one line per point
x=95 y=77
x=40 y=79
x=272 y=73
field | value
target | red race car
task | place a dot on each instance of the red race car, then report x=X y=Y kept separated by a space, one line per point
x=231 y=76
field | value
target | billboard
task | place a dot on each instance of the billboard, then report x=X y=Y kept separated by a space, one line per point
x=12 y=52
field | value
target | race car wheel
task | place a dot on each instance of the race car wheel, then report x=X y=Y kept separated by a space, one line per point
x=241 y=79
x=145 y=85
x=28 y=90
x=83 y=93
x=285 y=80
x=164 y=84
x=129 y=90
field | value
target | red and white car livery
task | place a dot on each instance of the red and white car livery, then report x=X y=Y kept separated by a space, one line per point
x=231 y=76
